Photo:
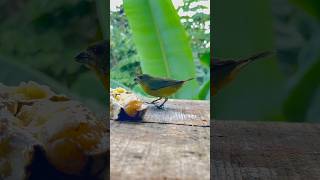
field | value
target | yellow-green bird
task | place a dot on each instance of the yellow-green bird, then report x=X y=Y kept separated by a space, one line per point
x=159 y=87
x=225 y=71
x=96 y=58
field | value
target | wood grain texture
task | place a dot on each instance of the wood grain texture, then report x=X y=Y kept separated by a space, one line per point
x=173 y=143
x=184 y=112
x=248 y=150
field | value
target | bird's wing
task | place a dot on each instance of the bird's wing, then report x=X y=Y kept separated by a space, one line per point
x=219 y=64
x=158 y=83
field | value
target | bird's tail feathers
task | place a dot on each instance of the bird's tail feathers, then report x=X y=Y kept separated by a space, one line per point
x=188 y=79
x=259 y=55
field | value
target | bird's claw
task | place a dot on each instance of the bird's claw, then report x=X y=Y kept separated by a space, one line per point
x=160 y=107
x=155 y=104
x=150 y=102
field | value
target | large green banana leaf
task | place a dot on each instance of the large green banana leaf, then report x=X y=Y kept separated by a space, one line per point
x=162 y=43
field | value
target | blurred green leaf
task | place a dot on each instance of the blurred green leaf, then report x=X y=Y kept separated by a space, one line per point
x=102 y=11
x=49 y=36
x=124 y=60
x=199 y=7
x=13 y=73
x=204 y=92
x=305 y=83
x=205 y=60
x=162 y=42
x=200 y=16
x=243 y=30
x=310 y=6
x=96 y=90
x=302 y=92
x=60 y=16
x=114 y=84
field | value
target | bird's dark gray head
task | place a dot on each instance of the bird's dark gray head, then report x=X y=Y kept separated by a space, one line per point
x=94 y=54
x=96 y=57
x=142 y=77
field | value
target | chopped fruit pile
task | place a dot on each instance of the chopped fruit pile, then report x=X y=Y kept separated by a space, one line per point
x=125 y=104
x=73 y=141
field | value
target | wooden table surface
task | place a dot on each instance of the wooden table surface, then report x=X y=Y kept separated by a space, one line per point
x=269 y=150
x=173 y=143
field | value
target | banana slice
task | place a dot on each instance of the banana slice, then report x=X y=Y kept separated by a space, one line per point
x=125 y=105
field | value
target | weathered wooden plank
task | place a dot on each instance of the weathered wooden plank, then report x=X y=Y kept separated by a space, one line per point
x=194 y=113
x=159 y=151
x=248 y=150
x=173 y=143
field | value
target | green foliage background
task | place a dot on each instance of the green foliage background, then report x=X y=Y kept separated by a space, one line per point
x=39 y=40
x=125 y=61
x=284 y=87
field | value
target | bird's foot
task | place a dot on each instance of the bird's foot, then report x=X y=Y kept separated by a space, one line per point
x=159 y=107
x=162 y=105
x=151 y=103
x=154 y=101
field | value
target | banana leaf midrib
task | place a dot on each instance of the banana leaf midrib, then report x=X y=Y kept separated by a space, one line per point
x=160 y=42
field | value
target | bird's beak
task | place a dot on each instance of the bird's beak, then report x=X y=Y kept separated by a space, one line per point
x=82 y=57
